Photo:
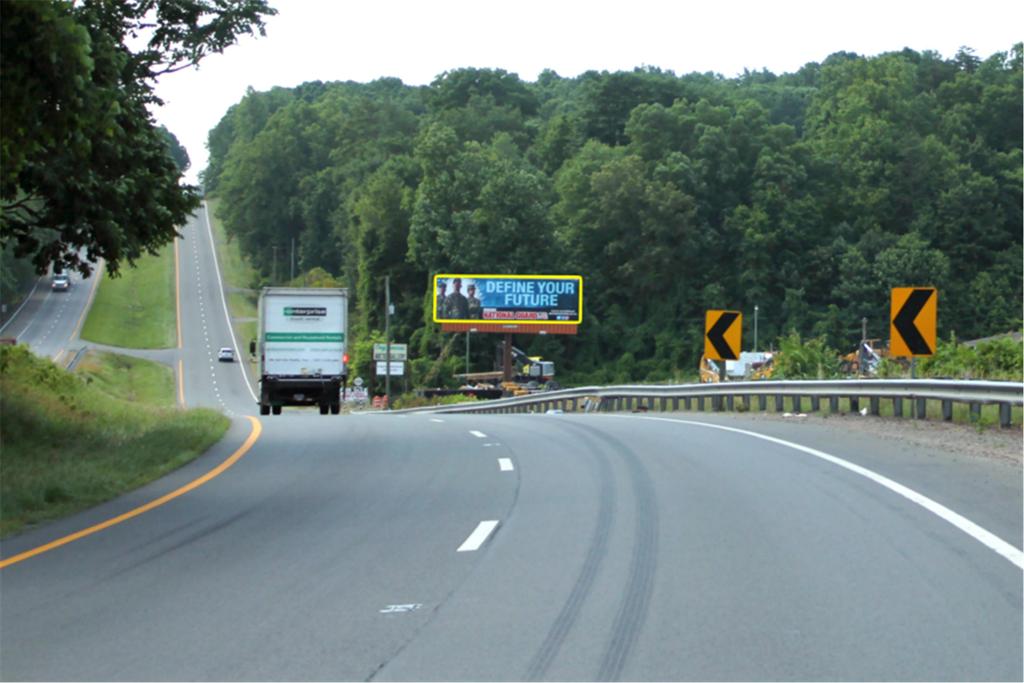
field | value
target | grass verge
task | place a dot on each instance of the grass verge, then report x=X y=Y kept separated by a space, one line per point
x=137 y=309
x=130 y=379
x=68 y=444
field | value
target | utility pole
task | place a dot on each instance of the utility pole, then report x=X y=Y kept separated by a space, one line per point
x=292 y=277
x=755 y=328
x=275 y=263
x=387 y=341
x=467 y=354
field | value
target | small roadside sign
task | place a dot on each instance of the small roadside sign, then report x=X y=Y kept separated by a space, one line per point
x=398 y=352
x=397 y=368
x=723 y=332
x=358 y=381
x=912 y=315
x=357 y=395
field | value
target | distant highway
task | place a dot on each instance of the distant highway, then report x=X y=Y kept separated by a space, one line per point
x=49 y=321
x=520 y=547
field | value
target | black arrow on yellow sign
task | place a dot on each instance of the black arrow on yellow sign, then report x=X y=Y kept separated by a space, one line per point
x=913 y=321
x=721 y=341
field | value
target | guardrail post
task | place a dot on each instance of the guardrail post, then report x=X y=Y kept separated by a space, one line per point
x=796 y=404
x=833 y=404
x=762 y=402
x=686 y=403
x=975 y=412
x=922 y=409
x=815 y=404
x=780 y=405
x=730 y=403
x=875 y=405
x=675 y=404
x=947 y=411
x=664 y=404
x=854 y=404
x=897 y=406
x=1005 y=415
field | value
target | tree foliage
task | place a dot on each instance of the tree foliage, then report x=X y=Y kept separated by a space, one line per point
x=808 y=195
x=84 y=166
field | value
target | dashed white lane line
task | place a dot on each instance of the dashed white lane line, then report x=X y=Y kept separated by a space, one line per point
x=479 y=435
x=505 y=464
x=434 y=419
x=479 y=536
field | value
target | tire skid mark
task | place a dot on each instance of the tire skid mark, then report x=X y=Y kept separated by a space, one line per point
x=636 y=599
x=585 y=581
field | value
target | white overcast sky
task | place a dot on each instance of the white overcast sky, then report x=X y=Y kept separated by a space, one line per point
x=340 y=40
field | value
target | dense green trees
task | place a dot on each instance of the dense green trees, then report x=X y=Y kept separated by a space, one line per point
x=806 y=194
x=84 y=165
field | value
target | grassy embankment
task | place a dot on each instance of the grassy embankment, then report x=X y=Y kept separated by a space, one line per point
x=73 y=440
x=137 y=309
x=240 y=281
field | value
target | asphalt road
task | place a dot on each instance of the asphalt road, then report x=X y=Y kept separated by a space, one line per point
x=521 y=547
x=49 y=321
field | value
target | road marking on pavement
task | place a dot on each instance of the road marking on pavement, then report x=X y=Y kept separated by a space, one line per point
x=505 y=464
x=257 y=427
x=224 y=301
x=181 y=383
x=27 y=299
x=479 y=435
x=434 y=419
x=978 y=533
x=479 y=535
x=97 y=275
x=177 y=289
x=400 y=609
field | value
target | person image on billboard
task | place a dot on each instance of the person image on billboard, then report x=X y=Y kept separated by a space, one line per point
x=474 y=308
x=455 y=305
x=442 y=288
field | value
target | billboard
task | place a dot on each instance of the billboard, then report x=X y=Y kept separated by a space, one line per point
x=519 y=299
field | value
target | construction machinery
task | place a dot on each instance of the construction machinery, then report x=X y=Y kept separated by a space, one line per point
x=750 y=365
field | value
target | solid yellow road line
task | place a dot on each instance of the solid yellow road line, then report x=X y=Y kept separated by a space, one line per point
x=181 y=383
x=257 y=427
x=177 y=289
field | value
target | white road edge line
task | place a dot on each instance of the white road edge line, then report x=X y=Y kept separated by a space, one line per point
x=224 y=301
x=479 y=435
x=978 y=533
x=505 y=464
x=15 y=314
x=479 y=535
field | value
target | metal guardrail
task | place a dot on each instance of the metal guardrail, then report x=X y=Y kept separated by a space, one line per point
x=726 y=395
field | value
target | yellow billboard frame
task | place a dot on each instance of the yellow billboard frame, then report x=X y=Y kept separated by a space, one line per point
x=451 y=276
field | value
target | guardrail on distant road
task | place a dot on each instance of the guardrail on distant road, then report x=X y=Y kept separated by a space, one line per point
x=726 y=395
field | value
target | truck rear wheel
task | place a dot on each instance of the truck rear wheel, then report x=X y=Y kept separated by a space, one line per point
x=264 y=409
x=276 y=410
x=335 y=408
x=323 y=408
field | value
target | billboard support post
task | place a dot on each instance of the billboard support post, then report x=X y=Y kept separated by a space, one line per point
x=387 y=340
x=506 y=358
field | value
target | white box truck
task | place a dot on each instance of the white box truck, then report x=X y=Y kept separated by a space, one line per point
x=303 y=336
